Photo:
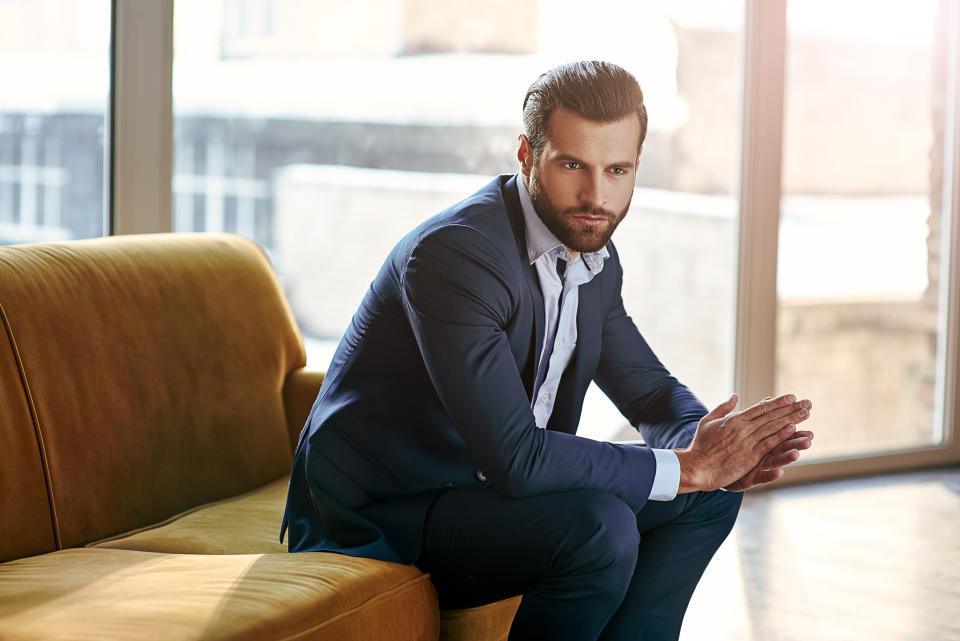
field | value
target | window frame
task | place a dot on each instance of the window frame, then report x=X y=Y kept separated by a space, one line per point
x=141 y=118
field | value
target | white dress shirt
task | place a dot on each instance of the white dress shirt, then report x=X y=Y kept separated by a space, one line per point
x=561 y=301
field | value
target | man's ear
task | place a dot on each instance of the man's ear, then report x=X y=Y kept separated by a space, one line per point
x=525 y=155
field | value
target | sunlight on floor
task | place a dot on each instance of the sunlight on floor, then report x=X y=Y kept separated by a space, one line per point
x=871 y=559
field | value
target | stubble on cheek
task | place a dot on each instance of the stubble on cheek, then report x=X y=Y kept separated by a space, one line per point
x=573 y=233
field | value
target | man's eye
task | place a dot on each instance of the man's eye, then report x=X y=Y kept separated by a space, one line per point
x=571 y=165
x=619 y=171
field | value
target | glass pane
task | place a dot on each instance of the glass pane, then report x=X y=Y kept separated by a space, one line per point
x=325 y=131
x=860 y=221
x=54 y=62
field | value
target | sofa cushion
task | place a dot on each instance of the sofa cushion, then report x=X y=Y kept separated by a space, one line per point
x=121 y=594
x=155 y=366
x=249 y=524
x=245 y=524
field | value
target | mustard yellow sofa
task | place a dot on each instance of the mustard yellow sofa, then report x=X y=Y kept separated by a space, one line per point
x=151 y=391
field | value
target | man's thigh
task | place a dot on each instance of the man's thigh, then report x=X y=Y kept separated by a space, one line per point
x=480 y=546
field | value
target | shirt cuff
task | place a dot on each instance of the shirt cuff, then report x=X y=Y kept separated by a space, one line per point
x=666 y=480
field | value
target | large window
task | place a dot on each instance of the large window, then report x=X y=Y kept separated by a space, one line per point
x=54 y=62
x=861 y=219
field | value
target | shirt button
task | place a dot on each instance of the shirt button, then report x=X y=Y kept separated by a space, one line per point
x=559 y=343
x=545 y=398
x=481 y=476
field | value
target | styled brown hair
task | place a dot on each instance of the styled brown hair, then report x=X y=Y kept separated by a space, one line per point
x=599 y=91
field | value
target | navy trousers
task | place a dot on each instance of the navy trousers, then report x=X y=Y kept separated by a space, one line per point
x=588 y=567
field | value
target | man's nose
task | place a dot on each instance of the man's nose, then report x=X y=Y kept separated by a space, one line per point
x=592 y=191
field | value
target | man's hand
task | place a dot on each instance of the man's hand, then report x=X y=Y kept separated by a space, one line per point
x=771 y=467
x=737 y=450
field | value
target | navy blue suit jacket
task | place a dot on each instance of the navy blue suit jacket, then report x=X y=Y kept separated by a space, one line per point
x=430 y=389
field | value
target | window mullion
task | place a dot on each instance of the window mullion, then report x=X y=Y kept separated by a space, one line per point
x=764 y=58
x=141 y=116
x=948 y=403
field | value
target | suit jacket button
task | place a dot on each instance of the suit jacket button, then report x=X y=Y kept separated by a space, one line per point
x=481 y=476
x=447 y=484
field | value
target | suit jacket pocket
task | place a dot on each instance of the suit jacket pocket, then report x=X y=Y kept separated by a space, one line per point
x=355 y=463
x=332 y=481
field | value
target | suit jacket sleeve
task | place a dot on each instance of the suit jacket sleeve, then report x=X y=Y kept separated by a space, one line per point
x=663 y=409
x=459 y=293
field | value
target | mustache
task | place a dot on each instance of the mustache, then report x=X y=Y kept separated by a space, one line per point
x=590 y=211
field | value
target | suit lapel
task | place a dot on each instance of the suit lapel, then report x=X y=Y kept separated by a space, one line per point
x=589 y=330
x=511 y=199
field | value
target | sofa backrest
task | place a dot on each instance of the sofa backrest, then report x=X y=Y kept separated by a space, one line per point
x=26 y=524
x=151 y=371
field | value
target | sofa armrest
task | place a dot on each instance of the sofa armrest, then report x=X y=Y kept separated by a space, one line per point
x=300 y=390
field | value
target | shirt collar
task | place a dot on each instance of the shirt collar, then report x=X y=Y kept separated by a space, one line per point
x=540 y=240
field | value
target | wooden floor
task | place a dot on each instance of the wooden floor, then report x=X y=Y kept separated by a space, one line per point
x=873 y=559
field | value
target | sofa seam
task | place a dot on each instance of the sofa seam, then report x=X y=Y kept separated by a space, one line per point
x=38 y=432
x=179 y=515
x=377 y=597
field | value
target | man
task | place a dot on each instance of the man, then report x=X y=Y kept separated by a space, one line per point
x=444 y=434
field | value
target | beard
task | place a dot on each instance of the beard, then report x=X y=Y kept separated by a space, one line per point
x=572 y=233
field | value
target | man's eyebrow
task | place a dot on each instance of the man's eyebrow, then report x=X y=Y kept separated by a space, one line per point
x=569 y=158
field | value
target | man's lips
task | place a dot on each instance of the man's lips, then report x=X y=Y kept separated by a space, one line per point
x=592 y=221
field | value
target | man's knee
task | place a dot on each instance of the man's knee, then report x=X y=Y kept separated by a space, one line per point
x=723 y=509
x=731 y=502
x=600 y=536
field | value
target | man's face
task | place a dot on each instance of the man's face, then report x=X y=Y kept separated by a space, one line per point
x=582 y=183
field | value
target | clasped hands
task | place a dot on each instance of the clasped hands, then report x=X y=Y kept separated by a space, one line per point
x=739 y=450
